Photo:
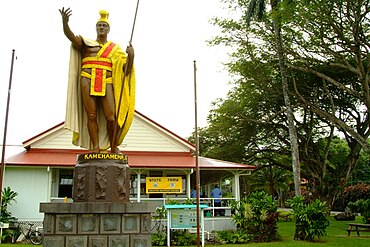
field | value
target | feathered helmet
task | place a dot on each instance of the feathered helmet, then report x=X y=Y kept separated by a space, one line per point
x=103 y=16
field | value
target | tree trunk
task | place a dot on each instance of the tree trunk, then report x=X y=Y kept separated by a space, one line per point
x=291 y=126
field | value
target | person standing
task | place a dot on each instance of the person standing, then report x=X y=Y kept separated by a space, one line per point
x=216 y=193
x=96 y=78
x=194 y=193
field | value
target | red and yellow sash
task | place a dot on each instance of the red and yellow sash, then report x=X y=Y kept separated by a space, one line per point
x=99 y=66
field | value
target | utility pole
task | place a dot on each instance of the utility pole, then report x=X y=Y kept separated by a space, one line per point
x=2 y=167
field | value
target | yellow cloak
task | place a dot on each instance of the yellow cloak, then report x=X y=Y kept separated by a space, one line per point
x=76 y=118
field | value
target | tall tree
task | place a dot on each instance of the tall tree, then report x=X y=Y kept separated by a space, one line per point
x=329 y=96
x=257 y=9
x=335 y=34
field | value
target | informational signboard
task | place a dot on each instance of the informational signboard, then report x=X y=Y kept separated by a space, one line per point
x=183 y=218
x=163 y=185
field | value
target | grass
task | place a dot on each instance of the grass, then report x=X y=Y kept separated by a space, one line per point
x=336 y=236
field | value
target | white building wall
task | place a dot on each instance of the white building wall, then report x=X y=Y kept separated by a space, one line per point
x=32 y=185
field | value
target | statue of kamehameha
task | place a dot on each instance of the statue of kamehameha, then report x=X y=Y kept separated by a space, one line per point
x=99 y=111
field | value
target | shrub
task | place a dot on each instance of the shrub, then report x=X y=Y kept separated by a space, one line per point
x=311 y=219
x=361 y=206
x=352 y=193
x=256 y=215
x=159 y=239
x=178 y=238
x=8 y=196
x=182 y=238
x=232 y=237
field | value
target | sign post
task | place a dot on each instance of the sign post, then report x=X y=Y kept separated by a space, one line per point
x=184 y=216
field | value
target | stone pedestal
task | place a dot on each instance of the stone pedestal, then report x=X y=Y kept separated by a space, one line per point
x=101 y=214
x=97 y=224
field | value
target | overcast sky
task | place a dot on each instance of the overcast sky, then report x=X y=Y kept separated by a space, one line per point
x=168 y=36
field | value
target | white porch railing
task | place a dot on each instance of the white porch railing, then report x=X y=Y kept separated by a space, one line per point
x=225 y=209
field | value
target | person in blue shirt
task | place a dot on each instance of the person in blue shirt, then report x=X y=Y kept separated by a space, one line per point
x=217 y=194
x=194 y=193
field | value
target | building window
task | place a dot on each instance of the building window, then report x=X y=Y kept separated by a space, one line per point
x=65 y=183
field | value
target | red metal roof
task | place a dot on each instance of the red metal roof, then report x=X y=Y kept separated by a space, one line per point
x=172 y=160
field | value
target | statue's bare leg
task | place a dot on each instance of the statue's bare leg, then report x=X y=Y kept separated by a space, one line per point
x=108 y=106
x=90 y=106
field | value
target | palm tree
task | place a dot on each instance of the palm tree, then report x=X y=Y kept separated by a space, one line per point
x=273 y=180
x=257 y=9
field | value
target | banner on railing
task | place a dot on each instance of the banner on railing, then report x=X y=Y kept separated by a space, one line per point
x=163 y=185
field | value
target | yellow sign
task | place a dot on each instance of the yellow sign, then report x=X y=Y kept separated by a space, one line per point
x=163 y=185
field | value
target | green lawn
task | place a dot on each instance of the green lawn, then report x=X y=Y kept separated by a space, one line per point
x=337 y=236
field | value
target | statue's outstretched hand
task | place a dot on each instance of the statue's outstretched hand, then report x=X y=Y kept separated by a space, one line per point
x=65 y=13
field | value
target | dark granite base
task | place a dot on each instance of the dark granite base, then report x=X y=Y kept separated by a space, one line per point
x=101 y=178
x=97 y=224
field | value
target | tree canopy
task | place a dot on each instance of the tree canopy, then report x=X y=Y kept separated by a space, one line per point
x=325 y=48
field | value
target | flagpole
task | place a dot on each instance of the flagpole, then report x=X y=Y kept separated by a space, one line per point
x=197 y=175
x=2 y=167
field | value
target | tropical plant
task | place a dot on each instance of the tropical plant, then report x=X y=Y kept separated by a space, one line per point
x=272 y=179
x=190 y=200
x=8 y=196
x=257 y=216
x=159 y=239
x=311 y=219
x=182 y=238
x=232 y=237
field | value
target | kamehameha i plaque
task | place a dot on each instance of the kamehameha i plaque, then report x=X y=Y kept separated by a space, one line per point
x=101 y=177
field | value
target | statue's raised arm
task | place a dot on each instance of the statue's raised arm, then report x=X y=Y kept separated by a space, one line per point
x=76 y=40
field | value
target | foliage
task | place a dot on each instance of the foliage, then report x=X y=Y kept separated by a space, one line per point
x=178 y=238
x=328 y=89
x=182 y=238
x=190 y=201
x=361 y=174
x=361 y=206
x=311 y=219
x=352 y=193
x=232 y=237
x=159 y=215
x=257 y=216
x=273 y=180
x=170 y=201
x=159 y=239
x=8 y=196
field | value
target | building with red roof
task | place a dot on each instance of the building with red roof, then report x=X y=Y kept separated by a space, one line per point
x=43 y=172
